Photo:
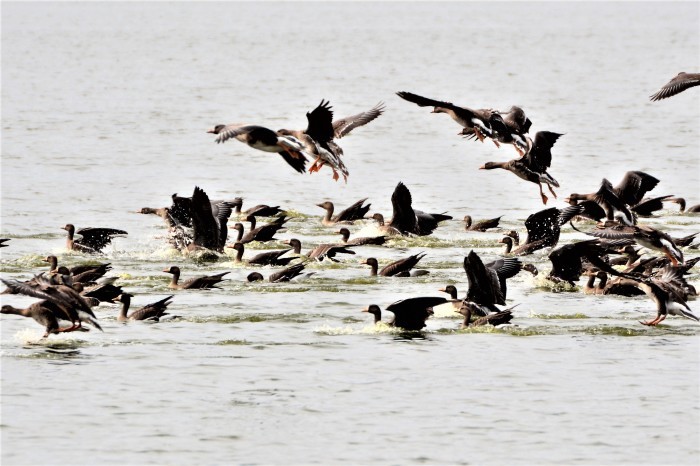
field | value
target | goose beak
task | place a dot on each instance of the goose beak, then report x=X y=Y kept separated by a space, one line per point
x=483 y=167
x=211 y=130
x=365 y=309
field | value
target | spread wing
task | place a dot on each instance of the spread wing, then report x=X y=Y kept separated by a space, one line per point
x=404 y=218
x=634 y=186
x=204 y=225
x=98 y=238
x=678 y=84
x=539 y=158
x=344 y=126
x=320 y=127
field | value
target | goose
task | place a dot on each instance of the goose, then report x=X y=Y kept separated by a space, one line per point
x=678 y=84
x=681 y=203
x=92 y=240
x=487 y=284
x=407 y=220
x=567 y=261
x=509 y=128
x=321 y=251
x=409 y=314
x=266 y=140
x=645 y=235
x=153 y=311
x=317 y=140
x=360 y=241
x=400 y=267
x=43 y=313
x=666 y=294
x=209 y=230
x=543 y=230
x=533 y=166
x=262 y=233
x=495 y=319
x=476 y=122
x=264 y=258
x=356 y=211
x=62 y=299
x=203 y=282
x=481 y=225
x=284 y=275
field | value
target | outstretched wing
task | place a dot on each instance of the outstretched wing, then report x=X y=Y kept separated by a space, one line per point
x=404 y=218
x=320 y=127
x=634 y=186
x=539 y=158
x=345 y=125
x=98 y=238
x=678 y=84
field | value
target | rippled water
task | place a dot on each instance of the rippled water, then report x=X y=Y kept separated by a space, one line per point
x=104 y=112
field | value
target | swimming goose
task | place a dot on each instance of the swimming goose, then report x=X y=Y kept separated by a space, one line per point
x=203 y=282
x=103 y=292
x=262 y=233
x=91 y=240
x=407 y=220
x=284 y=275
x=645 y=235
x=481 y=225
x=264 y=258
x=473 y=121
x=266 y=140
x=666 y=294
x=396 y=268
x=533 y=166
x=454 y=303
x=678 y=84
x=260 y=210
x=495 y=319
x=321 y=251
x=681 y=203
x=354 y=212
x=383 y=228
x=360 y=241
x=409 y=314
x=153 y=311
x=317 y=140
x=81 y=273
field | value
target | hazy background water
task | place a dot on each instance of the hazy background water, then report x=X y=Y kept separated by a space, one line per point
x=104 y=111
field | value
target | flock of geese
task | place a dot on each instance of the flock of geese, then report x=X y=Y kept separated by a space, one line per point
x=199 y=225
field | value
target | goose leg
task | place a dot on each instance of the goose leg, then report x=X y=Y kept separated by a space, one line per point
x=478 y=134
x=497 y=143
x=552 y=191
x=544 y=198
x=316 y=166
x=673 y=260
x=335 y=174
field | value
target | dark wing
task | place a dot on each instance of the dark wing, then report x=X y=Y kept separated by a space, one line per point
x=412 y=313
x=287 y=274
x=427 y=223
x=104 y=293
x=271 y=258
x=543 y=225
x=204 y=225
x=649 y=206
x=609 y=199
x=482 y=289
x=355 y=212
x=295 y=159
x=505 y=268
x=181 y=210
x=404 y=218
x=262 y=210
x=152 y=311
x=615 y=232
x=347 y=124
x=98 y=238
x=681 y=82
x=634 y=186
x=320 y=127
x=588 y=209
x=539 y=158
x=465 y=114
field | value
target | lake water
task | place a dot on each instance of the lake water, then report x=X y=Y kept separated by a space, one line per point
x=104 y=111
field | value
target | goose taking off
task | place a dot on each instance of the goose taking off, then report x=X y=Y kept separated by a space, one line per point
x=92 y=240
x=266 y=140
